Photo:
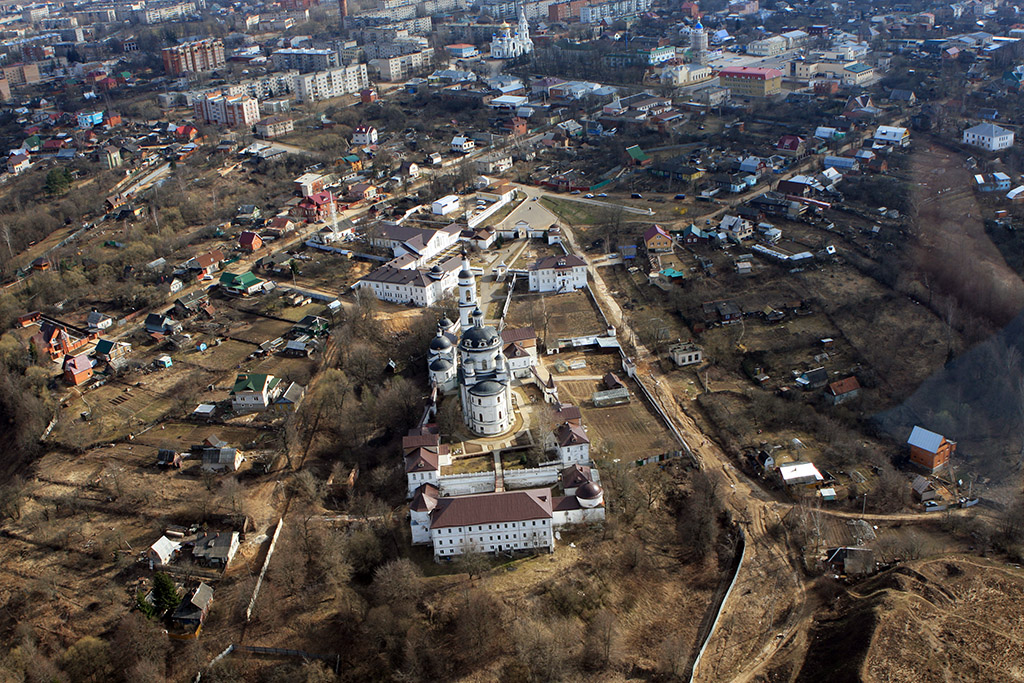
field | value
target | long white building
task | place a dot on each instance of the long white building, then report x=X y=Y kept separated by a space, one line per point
x=411 y=285
x=323 y=85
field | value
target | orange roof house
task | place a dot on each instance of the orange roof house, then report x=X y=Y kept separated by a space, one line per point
x=929 y=450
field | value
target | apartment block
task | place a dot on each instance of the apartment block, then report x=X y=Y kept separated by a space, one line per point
x=194 y=57
x=593 y=14
x=304 y=59
x=401 y=67
x=20 y=74
x=323 y=85
x=233 y=111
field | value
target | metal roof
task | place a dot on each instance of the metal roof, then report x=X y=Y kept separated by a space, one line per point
x=925 y=440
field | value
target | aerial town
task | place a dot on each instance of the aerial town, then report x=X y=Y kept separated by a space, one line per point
x=409 y=340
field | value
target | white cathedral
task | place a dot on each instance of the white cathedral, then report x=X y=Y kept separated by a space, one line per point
x=509 y=44
x=476 y=365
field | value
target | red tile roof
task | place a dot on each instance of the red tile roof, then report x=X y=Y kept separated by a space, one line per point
x=492 y=508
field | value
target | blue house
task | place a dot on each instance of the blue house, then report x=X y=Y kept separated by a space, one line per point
x=88 y=119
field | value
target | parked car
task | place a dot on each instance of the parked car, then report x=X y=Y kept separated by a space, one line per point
x=603 y=194
x=680 y=196
x=636 y=195
x=588 y=196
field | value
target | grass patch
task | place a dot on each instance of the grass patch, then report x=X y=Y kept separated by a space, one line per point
x=575 y=213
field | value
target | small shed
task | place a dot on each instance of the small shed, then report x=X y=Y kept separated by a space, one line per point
x=163 y=361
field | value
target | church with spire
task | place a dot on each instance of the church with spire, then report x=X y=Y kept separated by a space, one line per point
x=699 y=43
x=470 y=357
x=512 y=44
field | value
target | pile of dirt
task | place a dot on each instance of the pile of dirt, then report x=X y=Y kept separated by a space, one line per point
x=931 y=620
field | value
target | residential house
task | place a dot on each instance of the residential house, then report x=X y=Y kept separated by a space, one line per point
x=737 y=229
x=657 y=240
x=192 y=611
x=249 y=241
x=799 y=474
x=254 y=392
x=923 y=490
x=17 y=163
x=312 y=326
x=558 y=274
x=842 y=390
x=725 y=312
x=111 y=156
x=892 y=136
x=241 y=284
x=77 y=369
x=110 y=351
x=813 y=379
x=161 y=324
x=686 y=353
x=362 y=192
x=97 y=321
x=247 y=214
x=988 y=136
x=364 y=136
x=163 y=551
x=215 y=548
x=290 y=398
x=168 y=457
x=691 y=234
x=929 y=450
x=220 y=459
x=790 y=145
x=192 y=303
x=850 y=561
x=903 y=96
x=274 y=126
x=462 y=144
x=316 y=207
x=678 y=168
x=207 y=264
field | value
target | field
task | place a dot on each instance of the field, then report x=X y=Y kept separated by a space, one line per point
x=556 y=316
x=626 y=432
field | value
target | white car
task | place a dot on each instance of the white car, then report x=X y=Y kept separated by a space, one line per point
x=588 y=196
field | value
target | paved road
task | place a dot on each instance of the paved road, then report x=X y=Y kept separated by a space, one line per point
x=533 y=192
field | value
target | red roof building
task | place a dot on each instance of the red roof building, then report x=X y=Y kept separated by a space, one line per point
x=250 y=241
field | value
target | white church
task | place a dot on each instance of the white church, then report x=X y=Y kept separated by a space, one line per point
x=494 y=511
x=512 y=44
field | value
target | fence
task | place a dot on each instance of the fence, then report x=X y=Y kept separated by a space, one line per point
x=263 y=570
x=462 y=484
x=531 y=477
x=741 y=552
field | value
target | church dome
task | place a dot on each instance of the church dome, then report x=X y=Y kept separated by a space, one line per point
x=487 y=388
x=445 y=323
x=440 y=343
x=479 y=338
x=589 y=494
x=440 y=365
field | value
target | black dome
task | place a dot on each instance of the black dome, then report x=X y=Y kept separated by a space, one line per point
x=487 y=388
x=589 y=491
x=440 y=343
x=479 y=337
x=440 y=365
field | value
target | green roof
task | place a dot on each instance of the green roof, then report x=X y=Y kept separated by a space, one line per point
x=254 y=382
x=239 y=280
x=858 y=68
x=636 y=153
x=104 y=346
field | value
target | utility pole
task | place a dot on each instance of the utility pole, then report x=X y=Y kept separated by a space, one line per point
x=864 y=507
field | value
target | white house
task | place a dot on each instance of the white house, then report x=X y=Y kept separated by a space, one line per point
x=445 y=205
x=558 y=274
x=411 y=285
x=420 y=243
x=686 y=353
x=162 y=551
x=462 y=144
x=364 y=135
x=892 y=135
x=423 y=466
x=738 y=229
x=492 y=522
x=424 y=500
x=572 y=444
x=254 y=392
x=988 y=136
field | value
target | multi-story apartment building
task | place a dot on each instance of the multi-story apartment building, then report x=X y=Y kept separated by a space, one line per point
x=158 y=13
x=748 y=81
x=194 y=57
x=233 y=111
x=401 y=67
x=395 y=48
x=592 y=14
x=272 y=85
x=95 y=15
x=304 y=59
x=20 y=74
x=323 y=85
